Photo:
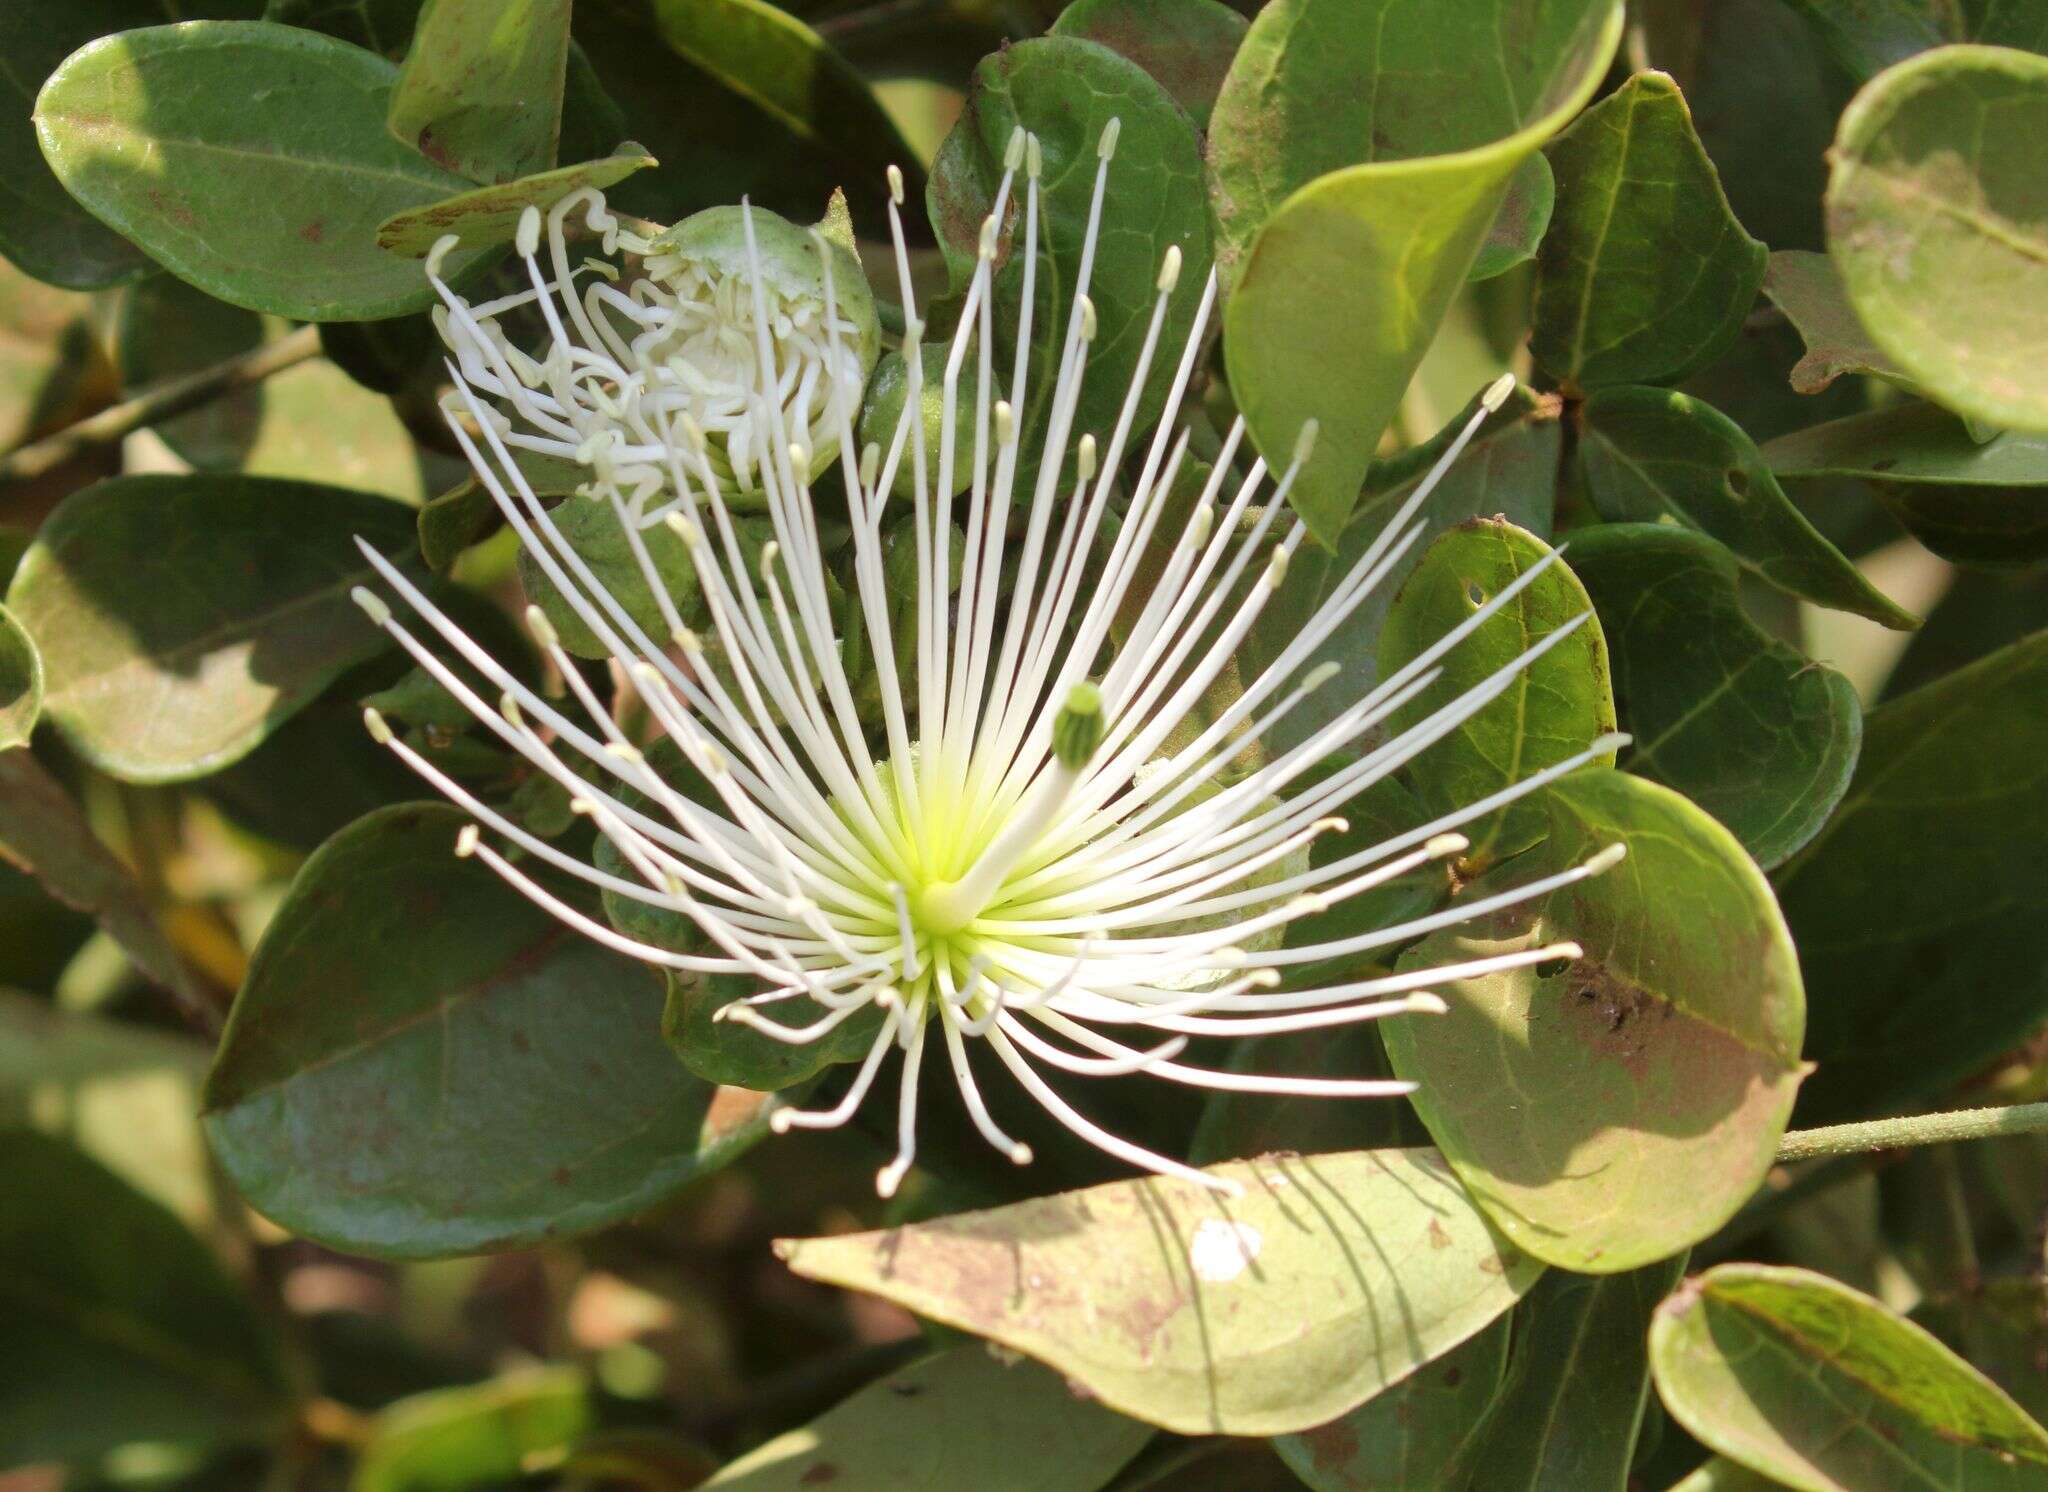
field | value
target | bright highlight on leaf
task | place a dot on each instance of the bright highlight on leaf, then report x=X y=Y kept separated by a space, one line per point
x=1021 y=858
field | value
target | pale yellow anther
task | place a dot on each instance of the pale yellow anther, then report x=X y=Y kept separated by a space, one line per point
x=445 y=245
x=1607 y=859
x=1497 y=392
x=986 y=244
x=1276 y=568
x=770 y=553
x=1006 y=423
x=1014 y=151
x=1034 y=158
x=1446 y=844
x=1084 y=458
x=1305 y=442
x=1106 y=146
x=378 y=727
x=1088 y=323
x=527 y=239
x=373 y=605
x=466 y=840
x=509 y=708
x=1169 y=269
x=896 y=185
x=1321 y=674
x=870 y=465
x=543 y=630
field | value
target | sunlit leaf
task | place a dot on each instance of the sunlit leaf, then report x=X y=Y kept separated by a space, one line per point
x=1331 y=1278
x=454 y=1439
x=490 y=215
x=1568 y=1096
x=21 y=682
x=480 y=92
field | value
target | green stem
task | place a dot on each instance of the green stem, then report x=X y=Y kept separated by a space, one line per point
x=1913 y=1129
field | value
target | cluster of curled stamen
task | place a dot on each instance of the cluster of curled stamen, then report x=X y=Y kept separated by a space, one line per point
x=1038 y=846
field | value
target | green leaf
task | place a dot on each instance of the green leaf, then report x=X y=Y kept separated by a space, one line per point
x=1509 y=470
x=21 y=682
x=382 y=26
x=959 y=1419
x=1803 y=1379
x=1349 y=215
x=1760 y=736
x=44 y=833
x=1808 y=289
x=1555 y=707
x=1065 y=91
x=1186 y=45
x=116 y=1324
x=43 y=229
x=1976 y=503
x=1572 y=1408
x=1998 y=1326
x=159 y=135
x=1939 y=225
x=1645 y=274
x=1566 y=1098
x=467 y=514
x=740 y=98
x=1722 y=1475
x=490 y=215
x=480 y=92
x=1920 y=910
x=181 y=619
x=53 y=369
x=497 y=1083
x=1422 y=1432
x=1653 y=456
x=124 y=1094
x=482 y=1434
x=1868 y=36
x=168 y=330
x=1333 y=1277
x=1523 y=219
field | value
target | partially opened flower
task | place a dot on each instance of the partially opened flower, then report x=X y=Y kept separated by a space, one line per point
x=1034 y=843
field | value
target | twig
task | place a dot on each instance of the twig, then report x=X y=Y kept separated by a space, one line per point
x=153 y=405
x=1914 y=1129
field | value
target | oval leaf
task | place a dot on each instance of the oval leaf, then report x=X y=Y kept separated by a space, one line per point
x=498 y=1083
x=1186 y=45
x=1331 y=1278
x=1554 y=707
x=490 y=215
x=158 y=134
x=1645 y=275
x=1760 y=736
x=1807 y=1381
x=1342 y=269
x=117 y=1325
x=1808 y=289
x=1934 y=172
x=1567 y=1098
x=960 y=1419
x=21 y=683
x=1981 y=503
x=182 y=618
x=1652 y=456
x=481 y=89
x=479 y=1435
x=1921 y=910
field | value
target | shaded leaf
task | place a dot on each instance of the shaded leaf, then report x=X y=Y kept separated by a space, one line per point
x=490 y=215
x=1566 y=1098
x=158 y=134
x=1568 y=1418
x=116 y=1324
x=1939 y=224
x=52 y=368
x=1758 y=735
x=167 y=330
x=1348 y=216
x=2001 y=1328
x=962 y=1418
x=1066 y=91
x=455 y=1439
x=741 y=99
x=183 y=618
x=44 y=833
x=1331 y=1278
x=1645 y=274
x=1186 y=45
x=1919 y=908
x=1519 y=225
x=480 y=92
x=21 y=682
x=1970 y=501
x=1808 y=289
x=383 y=26
x=1554 y=707
x=1509 y=470
x=1868 y=36
x=1653 y=456
x=1804 y=1380
x=466 y=513
x=501 y=1082
x=43 y=229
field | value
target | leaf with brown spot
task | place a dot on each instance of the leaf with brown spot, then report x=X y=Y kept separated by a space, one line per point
x=1568 y=1098
x=1259 y=1315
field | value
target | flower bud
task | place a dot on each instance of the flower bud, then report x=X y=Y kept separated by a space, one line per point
x=887 y=395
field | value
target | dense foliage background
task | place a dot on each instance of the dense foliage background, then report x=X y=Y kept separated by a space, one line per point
x=325 y=1161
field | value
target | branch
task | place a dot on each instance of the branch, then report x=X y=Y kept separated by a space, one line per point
x=160 y=402
x=1914 y=1129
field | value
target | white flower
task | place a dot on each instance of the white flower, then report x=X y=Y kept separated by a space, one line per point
x=1016 y=855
